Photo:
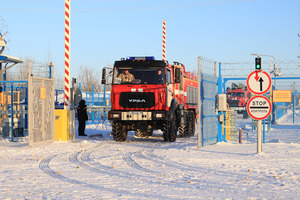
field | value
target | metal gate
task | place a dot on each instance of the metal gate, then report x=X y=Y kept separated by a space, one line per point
x=208 y=92
x=13 y=109
x=41 y=110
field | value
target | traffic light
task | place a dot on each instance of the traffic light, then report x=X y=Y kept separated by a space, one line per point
x=258 y=63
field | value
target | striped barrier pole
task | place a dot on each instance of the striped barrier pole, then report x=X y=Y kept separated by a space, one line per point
x=67 y=54
x=164 y=41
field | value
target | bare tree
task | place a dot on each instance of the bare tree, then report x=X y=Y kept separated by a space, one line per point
x=89 y=77
x=18 y=72
x=59 y=81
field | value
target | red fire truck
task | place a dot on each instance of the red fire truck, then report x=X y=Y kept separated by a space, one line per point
x=149 y=94
x=237 y=98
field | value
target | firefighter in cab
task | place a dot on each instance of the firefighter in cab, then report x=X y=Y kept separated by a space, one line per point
x=126 y=76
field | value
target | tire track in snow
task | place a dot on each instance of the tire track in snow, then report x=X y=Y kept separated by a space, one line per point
x=44 y=166
x=183 y=167
x=127 y=157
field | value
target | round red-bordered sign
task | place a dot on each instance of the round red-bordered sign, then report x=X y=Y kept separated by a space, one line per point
x=259 y=82
x=259 y=107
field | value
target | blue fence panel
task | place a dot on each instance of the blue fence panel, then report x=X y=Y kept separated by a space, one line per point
x=209 y=120
x=280 y=109
x=91 y=99
x=97 y=99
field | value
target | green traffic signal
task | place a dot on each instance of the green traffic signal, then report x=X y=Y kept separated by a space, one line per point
x=258 y=63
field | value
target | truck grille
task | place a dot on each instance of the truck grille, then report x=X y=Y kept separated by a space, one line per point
x=137 y=99
x=233 y=103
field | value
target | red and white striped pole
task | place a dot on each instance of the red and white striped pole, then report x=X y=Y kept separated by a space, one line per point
x=164 y=41
x=67 y=54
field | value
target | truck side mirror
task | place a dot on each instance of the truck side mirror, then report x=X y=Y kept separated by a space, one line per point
x=103 y=76
x=177 y=75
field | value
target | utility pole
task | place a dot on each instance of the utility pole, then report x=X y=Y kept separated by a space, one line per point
x=299 y=45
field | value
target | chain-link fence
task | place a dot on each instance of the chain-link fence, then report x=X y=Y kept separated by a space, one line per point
x=208 y=126
x=20 y=72
x=285 y=75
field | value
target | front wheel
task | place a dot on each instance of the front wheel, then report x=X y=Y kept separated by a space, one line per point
x=119 y=131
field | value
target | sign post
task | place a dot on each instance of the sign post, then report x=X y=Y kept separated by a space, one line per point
x=259 y=107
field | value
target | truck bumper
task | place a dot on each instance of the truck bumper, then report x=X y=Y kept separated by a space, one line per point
x=137 y=115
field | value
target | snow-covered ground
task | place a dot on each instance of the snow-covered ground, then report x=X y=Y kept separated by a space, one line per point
x=99 y=168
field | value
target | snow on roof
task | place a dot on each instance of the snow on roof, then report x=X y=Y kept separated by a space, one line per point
x=9 y=59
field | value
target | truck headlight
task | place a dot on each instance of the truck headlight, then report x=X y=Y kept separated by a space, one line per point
x=159 y=115
x=114 y=115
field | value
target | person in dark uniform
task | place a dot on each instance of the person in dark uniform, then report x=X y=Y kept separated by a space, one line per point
x=82 y=117
x=159 y=77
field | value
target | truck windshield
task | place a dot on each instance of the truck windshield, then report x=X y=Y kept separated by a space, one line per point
x=139 y=75
x=240 y=94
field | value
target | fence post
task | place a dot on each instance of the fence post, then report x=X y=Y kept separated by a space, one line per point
x=93 y=102
x=294 y=108
x=12 y=111
x=199 y=136
x=220 y=113
x=50 y=70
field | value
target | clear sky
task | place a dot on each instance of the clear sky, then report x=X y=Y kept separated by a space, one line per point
x=103 y=31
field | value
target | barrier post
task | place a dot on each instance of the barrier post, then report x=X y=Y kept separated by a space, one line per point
x=240 y=135
x=67 y=54
x=164 y=41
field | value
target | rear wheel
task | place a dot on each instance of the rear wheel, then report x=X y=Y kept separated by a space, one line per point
x=183 y=127
x=170 y=131
x=119 y=131
x=140 y=133
x=191 y=124
x=149 y=131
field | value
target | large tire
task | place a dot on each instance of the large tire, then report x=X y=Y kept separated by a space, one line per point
x=119 y=131
x=170 y=131
x=191 y=124
x=139 y=133
x=149 y=131
x=183 y=127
